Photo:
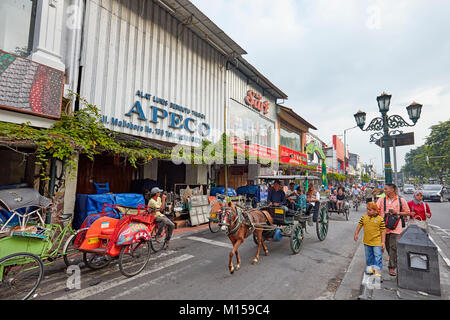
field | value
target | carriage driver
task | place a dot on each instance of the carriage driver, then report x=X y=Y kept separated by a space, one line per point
x=276 y=197
x=158 y=204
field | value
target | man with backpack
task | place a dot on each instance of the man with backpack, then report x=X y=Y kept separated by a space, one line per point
x=392 y=209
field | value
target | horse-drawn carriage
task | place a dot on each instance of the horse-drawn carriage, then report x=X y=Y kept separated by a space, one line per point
x=293 y=222
x=271 y=223
x=345 y=209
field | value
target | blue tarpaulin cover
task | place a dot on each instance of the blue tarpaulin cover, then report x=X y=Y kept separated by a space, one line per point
x=221 y=190
x=260 y=192
x=87 y=204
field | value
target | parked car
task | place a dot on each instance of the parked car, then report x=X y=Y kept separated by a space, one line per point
x=434 y=192
x=408 y=188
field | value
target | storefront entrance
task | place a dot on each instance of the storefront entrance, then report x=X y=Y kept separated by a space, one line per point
x=170 y=174
x=16 y=168
x=237 y=176
x=115 y=170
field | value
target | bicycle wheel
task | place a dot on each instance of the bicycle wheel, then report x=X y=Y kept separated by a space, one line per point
x=96 y=261
x=134 y=257
x=158 y=243
x=71 y=254
x=20 y=275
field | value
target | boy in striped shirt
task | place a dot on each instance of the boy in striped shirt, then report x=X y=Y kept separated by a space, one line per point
x=374 y=238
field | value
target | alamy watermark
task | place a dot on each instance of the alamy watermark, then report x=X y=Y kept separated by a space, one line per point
x=74 y=280
x=238 y=149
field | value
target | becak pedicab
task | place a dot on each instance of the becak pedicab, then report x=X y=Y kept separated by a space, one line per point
x=127 y=238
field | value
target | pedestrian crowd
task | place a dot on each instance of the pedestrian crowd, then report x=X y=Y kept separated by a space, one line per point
x=388 y=214
x=384 y=222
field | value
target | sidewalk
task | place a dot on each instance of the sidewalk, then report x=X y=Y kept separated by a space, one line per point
x=189 y=230
x=352 y=288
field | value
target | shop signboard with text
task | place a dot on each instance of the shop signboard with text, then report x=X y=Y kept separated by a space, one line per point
x=162 y=120
x=292 y=157
x=254 y=150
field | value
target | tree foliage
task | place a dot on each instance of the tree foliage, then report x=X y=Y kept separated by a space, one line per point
x=431 y=160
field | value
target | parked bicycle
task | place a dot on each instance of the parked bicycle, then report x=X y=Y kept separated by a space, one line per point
x=27 y=242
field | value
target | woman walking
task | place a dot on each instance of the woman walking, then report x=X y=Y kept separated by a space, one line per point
x=420 y=211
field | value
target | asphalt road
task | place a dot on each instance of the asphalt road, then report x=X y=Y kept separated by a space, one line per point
x=195 y=268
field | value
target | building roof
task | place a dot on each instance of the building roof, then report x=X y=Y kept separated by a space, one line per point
x=253 y=74
x=297 y=117
x=316 y=137
x=200 y=24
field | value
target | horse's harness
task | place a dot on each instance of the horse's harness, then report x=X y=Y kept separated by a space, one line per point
x=237 y=222
x=242 y=217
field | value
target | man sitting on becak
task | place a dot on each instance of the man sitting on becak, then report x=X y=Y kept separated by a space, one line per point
x=159 y=204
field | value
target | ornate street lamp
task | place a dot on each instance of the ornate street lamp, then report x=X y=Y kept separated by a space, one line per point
x=384 y=102
x=414 y=111
x=384 y=123
x=360 y=119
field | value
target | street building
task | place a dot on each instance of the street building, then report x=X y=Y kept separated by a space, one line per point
x=161 y=75
x=335 y=156
x=293 y=132
x=354 y=165
x=314 y=149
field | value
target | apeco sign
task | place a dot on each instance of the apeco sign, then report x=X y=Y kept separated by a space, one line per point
x=254 y=99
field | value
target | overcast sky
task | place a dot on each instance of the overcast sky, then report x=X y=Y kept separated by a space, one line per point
x=333 y=58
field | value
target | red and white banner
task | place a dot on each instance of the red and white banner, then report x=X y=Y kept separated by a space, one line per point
x=292 y=157
x=254 y=150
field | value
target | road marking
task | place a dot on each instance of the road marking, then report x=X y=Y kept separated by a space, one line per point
x=447 y=260
x=61 y=278
x=140 y=288
x=87 y=292
x=208 y=241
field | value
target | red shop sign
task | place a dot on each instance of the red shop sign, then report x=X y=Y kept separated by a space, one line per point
x=292 y=157
x=254 y=150
x=254 y=99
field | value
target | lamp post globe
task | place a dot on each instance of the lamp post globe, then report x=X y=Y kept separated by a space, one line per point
x=384 y=102
x=360 y=118
x=414 y=111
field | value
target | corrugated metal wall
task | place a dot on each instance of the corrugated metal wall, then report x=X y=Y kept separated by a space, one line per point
x=132 y=45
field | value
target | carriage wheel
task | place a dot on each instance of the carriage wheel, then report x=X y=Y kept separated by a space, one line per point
x=322 y=224
x=134 y=257
x=297 y=239
x=96 y=261
x=214 y=225
x=20 y=275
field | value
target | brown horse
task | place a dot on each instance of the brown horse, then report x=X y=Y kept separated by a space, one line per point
x=239 y=228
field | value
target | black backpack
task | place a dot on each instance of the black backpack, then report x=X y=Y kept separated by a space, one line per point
x=392 y=221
